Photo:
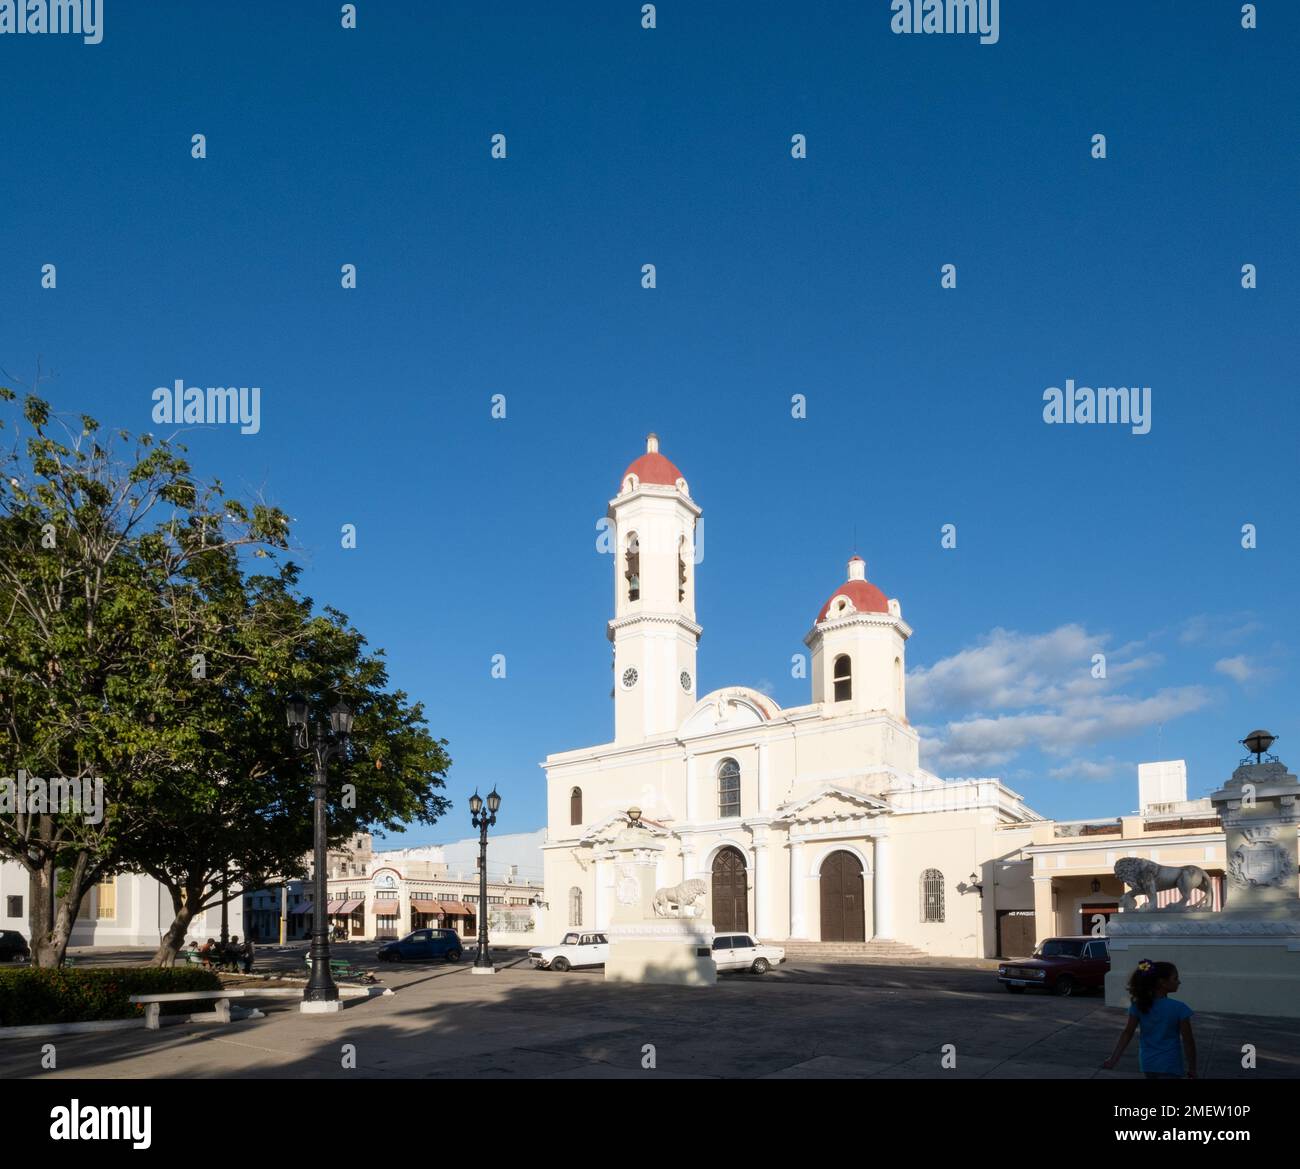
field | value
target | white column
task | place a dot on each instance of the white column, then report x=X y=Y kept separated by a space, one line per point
x=692 y=797
x=763 y=888
x=883 y=888
x=763 y=780
x=798 y=925
x=601 y=917
x=688 y=859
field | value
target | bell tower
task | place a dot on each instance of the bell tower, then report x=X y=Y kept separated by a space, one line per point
x=653 y=629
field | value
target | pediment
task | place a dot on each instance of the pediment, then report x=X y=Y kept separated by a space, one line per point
x=734 y=708
x=832 y=803
x=606 y=830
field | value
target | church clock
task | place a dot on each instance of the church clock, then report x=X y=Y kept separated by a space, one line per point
x=629 y=677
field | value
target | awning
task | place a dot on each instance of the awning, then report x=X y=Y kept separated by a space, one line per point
x=333 y=908
x=458 y=908
x=389 y=908
x=301 y=909
x=424 y=905
x=350 y=907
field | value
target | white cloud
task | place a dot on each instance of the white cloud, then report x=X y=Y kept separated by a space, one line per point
x=1093 y=769
x=1011 y=670
x=1015 y=692
x=974 y=745
x=1217 y=629
x=1238 y=668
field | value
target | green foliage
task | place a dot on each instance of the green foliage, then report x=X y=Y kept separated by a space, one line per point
x=31 y=995
x=150 y=631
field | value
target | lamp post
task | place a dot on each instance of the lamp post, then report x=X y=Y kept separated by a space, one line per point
x=320 y=995
x=483 y=820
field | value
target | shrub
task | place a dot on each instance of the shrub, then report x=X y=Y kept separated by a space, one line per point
x=30 y=995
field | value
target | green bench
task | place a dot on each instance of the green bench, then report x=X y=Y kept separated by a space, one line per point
x=339 y=967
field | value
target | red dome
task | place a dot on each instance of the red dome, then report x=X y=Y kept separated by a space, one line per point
x=652 y=467
x=865 y=596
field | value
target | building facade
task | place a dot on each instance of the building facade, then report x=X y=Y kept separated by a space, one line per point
x=813 y=822
x=125 y=910
x=377 y=896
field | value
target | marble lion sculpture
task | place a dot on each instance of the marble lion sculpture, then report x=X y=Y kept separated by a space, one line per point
x=680 y=897
x=1144 y=876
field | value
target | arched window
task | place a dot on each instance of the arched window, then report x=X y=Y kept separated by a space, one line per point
x=898 y=684
x=575 y=806
x=633 y=572
x=575 y=906
x=681 y=569
x=932 y=895
x=843 y=676
x=728 y=788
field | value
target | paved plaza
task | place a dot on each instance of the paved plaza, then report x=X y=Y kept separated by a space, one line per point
x=807 y=1020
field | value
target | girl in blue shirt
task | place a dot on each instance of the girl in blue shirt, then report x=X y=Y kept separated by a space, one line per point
x=1165 y=1023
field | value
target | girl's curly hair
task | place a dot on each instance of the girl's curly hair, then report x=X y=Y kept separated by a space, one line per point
x=1142 y=985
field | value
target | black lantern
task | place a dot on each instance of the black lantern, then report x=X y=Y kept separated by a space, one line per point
x=475 y=804
x=295 y=709
x=341 y=718
x=1096 y=885
x=493 y=802
x=1258 y=742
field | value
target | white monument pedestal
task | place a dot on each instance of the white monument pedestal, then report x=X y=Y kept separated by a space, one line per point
x=1244 y=959
x=645 y=946
x=670 y=952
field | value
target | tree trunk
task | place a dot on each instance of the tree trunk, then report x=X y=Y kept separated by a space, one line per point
x=40 y=909
x=174 y=938
x=50 y=938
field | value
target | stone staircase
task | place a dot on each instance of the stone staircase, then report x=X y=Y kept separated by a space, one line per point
x=889 y=952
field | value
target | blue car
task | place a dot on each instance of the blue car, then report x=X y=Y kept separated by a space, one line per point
x=423 y=945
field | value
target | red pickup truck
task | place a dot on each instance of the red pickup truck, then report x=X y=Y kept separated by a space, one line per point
x=1062 y=965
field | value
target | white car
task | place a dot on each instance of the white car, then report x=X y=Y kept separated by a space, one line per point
x=741 y=952
x=577 y=949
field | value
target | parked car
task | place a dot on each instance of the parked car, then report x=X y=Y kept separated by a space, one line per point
x=741 y=952
x=577 y=949
x=423 y=944
x=1062 y=965
x=13 y=946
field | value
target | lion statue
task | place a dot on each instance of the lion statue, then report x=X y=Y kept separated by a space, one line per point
x=1149 y=878
x=674 y=902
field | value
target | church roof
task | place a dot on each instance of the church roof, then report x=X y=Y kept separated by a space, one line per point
x=859 y=593
x=652 y=467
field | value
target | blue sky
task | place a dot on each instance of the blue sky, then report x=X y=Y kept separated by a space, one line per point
x=775 y=276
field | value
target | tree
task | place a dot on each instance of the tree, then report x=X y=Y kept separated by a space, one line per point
x=137 y=649
x=238 y=812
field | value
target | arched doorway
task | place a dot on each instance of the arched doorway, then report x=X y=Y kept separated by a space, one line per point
x=843 y=907
x=730 y=894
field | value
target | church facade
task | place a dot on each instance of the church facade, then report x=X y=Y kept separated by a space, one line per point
x=811 y=823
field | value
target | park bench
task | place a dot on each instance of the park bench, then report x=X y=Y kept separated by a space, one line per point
x=340 y=968
x=152 y=1003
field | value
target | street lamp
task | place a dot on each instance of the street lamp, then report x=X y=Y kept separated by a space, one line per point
x=320 y=995
x=483 y=821
x=1258 y=743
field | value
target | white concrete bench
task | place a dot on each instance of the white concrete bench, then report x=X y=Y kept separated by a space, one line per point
x=153 y=1002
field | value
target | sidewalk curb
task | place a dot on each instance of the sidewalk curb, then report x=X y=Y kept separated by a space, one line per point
x=39 y=1029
